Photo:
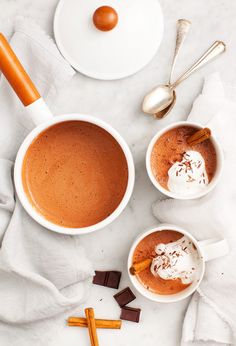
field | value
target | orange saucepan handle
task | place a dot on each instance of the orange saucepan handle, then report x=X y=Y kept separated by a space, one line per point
x=16 y=74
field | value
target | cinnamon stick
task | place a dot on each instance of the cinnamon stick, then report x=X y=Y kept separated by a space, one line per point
x=140 y=266
x=199 y=136
x=105 y=324
x=89 y=313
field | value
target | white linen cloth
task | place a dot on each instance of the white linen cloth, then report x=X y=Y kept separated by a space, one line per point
x=43 y=275
x=211 y=316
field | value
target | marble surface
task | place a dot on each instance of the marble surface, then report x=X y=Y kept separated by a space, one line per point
x=118 y=102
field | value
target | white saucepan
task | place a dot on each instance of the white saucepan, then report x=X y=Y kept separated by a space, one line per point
x=43 y=118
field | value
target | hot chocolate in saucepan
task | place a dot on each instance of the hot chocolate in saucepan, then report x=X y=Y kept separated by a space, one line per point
x=175 y=262
x=75 y=174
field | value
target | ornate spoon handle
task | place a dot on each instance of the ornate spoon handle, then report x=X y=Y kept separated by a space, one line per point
x=183 y=26
x=217 y=48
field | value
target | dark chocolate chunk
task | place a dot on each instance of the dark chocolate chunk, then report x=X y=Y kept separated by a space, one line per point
x=99 y=278
x=107 y=278
x=124 y=297
x=130 y=314
x=113 y=279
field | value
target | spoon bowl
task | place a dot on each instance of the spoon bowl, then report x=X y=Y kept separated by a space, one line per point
x=162 y=114
x=158 y=99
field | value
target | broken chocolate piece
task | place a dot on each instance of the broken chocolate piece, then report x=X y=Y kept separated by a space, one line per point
x=124 y=297
x=99 y=278
x=107 y=278
x=130 y=314
x=113 y=279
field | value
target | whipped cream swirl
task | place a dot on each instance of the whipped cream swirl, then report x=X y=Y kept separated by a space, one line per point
x=188 y=176
x=176 y=260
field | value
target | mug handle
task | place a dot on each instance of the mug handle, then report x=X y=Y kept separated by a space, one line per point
x=23 y=86
x=213 y=248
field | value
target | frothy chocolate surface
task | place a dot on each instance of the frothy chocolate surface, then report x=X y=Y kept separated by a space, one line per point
x=146 y=249
x=171 y=146
x=75 y=174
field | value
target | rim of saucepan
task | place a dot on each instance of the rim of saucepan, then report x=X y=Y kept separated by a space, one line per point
x=216 y=177
x=34 y=213
x=171 y=298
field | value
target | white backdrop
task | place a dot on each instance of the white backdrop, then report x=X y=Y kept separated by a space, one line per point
x=118 y=102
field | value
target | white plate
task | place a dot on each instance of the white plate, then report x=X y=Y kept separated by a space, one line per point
x=110 y=55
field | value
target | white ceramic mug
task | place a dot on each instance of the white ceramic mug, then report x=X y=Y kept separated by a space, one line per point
x=213 y=182
x=42 y=118
x=207 y=249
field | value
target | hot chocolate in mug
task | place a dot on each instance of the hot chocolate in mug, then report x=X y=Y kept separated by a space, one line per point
x=184 y=248
x=174 y=167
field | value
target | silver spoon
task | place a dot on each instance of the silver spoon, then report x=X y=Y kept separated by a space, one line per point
x=161 y=100
x=183 y=26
